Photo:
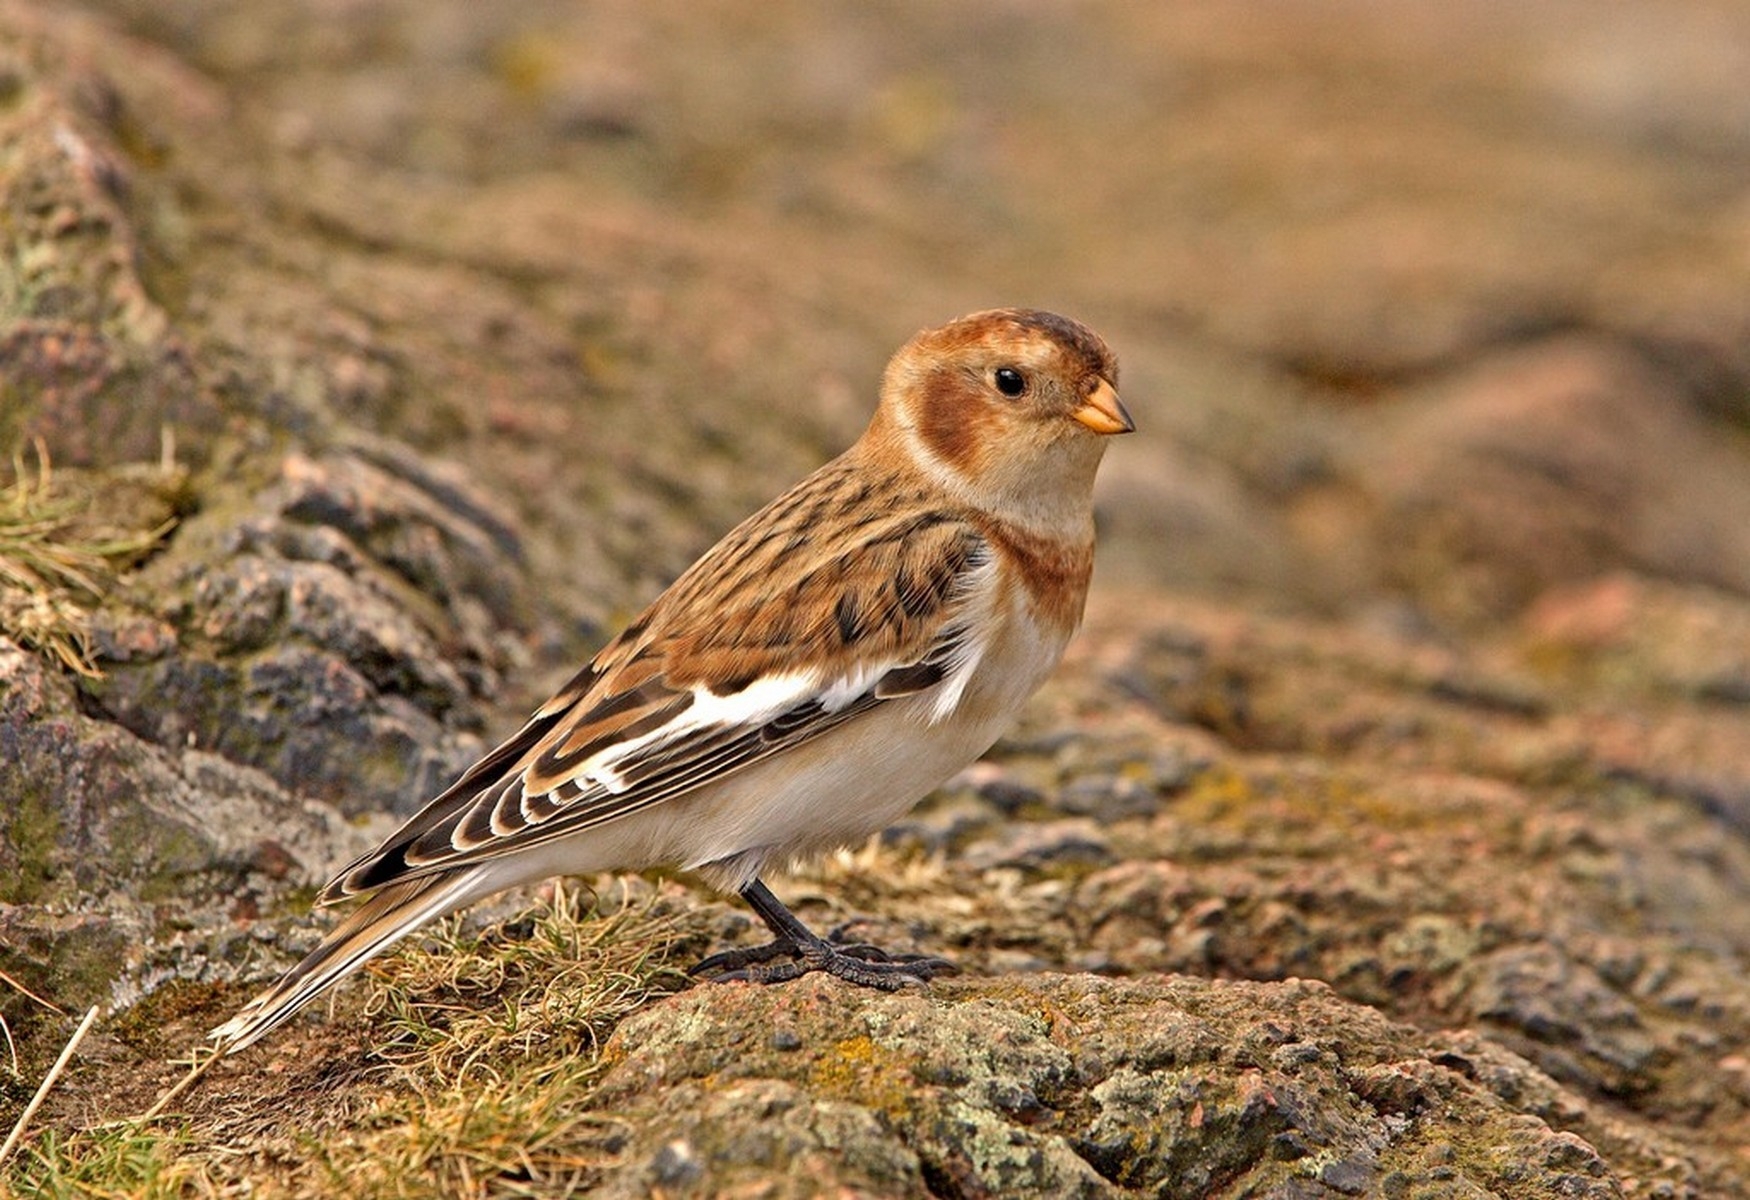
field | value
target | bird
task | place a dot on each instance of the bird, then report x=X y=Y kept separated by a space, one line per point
x=833 y=659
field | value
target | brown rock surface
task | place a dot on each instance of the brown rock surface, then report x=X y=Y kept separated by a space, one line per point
x=1419 y=663
x=1075 y=1086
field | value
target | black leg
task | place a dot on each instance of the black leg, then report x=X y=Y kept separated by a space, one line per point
x=807 y=951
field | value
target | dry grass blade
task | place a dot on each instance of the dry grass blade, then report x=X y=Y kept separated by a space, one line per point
x=6 y=1030
x=15 y=985
x=48 y=1082
x=197 y=1070
x=499 y=1042
x=562 y=975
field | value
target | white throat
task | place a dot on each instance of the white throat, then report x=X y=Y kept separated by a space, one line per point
x=1049 y=495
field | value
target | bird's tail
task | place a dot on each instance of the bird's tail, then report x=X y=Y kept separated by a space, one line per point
x=381 y=921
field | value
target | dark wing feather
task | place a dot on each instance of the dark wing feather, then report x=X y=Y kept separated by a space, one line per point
x=386 y=863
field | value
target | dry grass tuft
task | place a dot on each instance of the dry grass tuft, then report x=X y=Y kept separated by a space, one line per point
x=490 y=1052
x=56 y=560
x=545 y=989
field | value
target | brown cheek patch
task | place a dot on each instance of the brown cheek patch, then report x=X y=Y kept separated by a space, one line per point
x=953 y=420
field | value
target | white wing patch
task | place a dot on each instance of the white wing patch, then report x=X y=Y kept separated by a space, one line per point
x=976 y=600
x=614 y=770
x=751 y=707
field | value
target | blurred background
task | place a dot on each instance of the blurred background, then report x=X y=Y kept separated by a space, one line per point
x=1422 y=310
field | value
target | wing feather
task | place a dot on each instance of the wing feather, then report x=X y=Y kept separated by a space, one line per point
x=756 y=649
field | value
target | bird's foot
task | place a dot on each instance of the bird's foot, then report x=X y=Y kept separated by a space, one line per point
x=798 y=950
x=783 y=959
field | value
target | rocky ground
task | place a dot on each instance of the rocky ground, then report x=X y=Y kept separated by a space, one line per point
x=1386 y=833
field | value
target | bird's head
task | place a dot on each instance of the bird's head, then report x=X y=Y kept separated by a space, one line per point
x=1009 y=408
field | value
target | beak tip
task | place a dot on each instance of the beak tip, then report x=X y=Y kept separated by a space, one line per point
x=1104 y=413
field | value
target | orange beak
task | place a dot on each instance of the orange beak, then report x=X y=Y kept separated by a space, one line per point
x=1103 y=413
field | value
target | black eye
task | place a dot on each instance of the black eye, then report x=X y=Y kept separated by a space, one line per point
x=1010 y=382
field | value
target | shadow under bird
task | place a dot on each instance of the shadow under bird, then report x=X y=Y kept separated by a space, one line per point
x=835 y=657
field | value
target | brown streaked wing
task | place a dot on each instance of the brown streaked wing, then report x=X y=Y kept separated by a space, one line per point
x=887 y=597
x=499 y=815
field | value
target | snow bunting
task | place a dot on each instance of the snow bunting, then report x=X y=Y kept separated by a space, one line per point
x=835 y=657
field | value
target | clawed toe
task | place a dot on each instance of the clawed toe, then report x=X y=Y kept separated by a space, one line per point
x=927 y=964
x=866 y=952
x=889 y=973
x=778 y=972
x=838 y=933
x=728 y=964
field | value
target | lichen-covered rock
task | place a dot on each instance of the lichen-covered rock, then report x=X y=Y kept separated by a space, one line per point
x=93 y=809
x=1073 y=1086
x=350 y=606
x=87 y=358
x=99 y=828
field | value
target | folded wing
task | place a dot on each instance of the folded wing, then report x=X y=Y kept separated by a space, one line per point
x=752 y=652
